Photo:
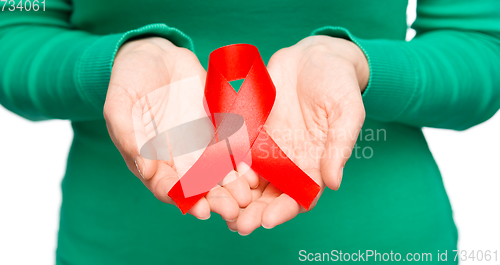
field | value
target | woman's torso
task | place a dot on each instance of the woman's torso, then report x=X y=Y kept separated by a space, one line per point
x=391 y=199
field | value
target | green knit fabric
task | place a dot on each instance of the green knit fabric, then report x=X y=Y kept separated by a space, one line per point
x=56 y=64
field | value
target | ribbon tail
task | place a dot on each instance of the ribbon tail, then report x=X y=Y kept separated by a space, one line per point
x=277 y=168
x=182 y=202
x=213 y=165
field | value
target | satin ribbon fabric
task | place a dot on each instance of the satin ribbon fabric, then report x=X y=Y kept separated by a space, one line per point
x=234 y=143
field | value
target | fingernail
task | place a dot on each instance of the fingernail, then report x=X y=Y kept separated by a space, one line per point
x=340 y=176
x=230 y=177
x=139 y=163
x=232 y=230
x=242 y=168
x=231 y=221
x=204 y=218
x=242 y=234
x=266 y=227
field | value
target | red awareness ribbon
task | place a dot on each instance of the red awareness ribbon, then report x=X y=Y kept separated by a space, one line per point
x=253 y=102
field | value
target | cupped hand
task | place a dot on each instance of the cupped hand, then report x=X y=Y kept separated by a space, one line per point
x=316 y=119
x=136 y=108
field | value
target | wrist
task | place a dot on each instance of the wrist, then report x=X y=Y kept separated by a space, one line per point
x=356 y=56
x=153 y=46
x=346 y=50
x=362 y=68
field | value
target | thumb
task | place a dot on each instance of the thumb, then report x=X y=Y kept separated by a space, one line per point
x=342 y=133
x=127 y=132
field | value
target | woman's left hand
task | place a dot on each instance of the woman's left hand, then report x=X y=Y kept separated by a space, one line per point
x=319 y=82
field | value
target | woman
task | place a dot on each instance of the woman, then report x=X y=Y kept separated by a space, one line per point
x=77 y=60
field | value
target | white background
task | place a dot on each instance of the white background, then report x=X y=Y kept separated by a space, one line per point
x=33 y=156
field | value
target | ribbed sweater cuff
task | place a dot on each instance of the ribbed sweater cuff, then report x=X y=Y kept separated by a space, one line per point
x=94 y=68
x=393 y=80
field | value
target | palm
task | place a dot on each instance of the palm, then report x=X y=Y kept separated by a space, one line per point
x=152 y=90
x=317 y=96
x=295 y=122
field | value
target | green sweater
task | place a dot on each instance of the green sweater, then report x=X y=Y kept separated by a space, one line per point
x=56 y=64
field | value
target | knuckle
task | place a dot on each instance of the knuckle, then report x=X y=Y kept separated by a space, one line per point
x=158 y=190
x=156 y=194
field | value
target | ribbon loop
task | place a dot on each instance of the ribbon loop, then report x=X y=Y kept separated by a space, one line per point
x=254 y=103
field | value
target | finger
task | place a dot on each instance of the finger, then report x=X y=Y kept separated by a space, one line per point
x=161 y=183
x=233 y=225
x=201 y=209
x=315 y=201
x=257 y=192
x=249 y=174
x=280 y=210
x=223 y=203
x=251 y=218
x=238 y=188
x=338 y=148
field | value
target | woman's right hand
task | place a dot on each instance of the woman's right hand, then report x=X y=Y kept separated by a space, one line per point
x=141 y=67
